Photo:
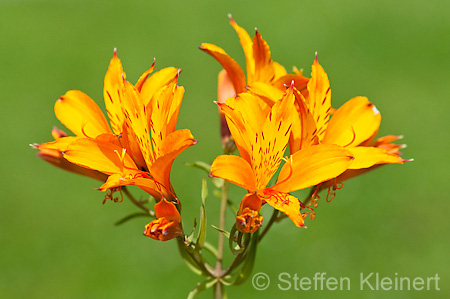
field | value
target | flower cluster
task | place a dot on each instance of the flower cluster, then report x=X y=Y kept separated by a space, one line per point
x=288 y=135
x=137 y=150
x=270 y=113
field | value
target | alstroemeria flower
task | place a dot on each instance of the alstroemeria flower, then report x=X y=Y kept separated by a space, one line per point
x=167 y=224
x=353 y=125
x=141 y=147
x=263 y=74
x=259 y=64
x=261 y=134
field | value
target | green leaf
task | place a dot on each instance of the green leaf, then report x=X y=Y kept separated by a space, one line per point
x=200 y=165
x=188 y=259
x=247 y=267
x=226 y=234
x=202 y=231
x=201 y=286
x=129 y=217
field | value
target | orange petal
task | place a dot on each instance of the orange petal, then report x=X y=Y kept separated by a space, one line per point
x=172 y=146
x=353 y=123
x=146 y=184
x=247 y=46
x=319 y=98
x=285 y=203
x=99 y=155
x=167 y=210
x=80 y=114
x=300 y=83
x=56 y=158
x=311 y=166
x=156 y=81
x=368 y=156
x=235 y=170
x=60 y=144
x=112 y=92
x=235 y=72
x=225 y=87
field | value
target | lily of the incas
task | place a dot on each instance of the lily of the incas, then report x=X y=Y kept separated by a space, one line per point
x=263 y=74
x=141 y=147
x=353 y=126
x=168 y=223
x=261 y=133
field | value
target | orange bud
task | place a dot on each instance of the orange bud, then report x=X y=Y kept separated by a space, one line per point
x=163 y=230
x=248 y=219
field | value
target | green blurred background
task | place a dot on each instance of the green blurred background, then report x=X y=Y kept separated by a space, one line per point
x=59 y=241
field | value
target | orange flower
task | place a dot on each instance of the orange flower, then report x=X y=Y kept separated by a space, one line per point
x=143 y=142
x=353 y=126
x=261 y=134
x=260 y=66
x=168 y=223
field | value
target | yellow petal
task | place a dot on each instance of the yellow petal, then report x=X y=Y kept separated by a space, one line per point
x=157 y=81
x=247 y=46
x=264 y=68
x=304 y=131
x=285 y=203
x=56 y=158
x=319 y=98
x=235 y=170
x=112 y=92
x=353 y=123
x=143 y=78
x=99 y=155
x=164 y=108
x=271 y=142
x=137 y=126
x=267 y=92
x=60 y=144
x=368 y=156
x=311 y=166
x=80 y=114
x=235 y=72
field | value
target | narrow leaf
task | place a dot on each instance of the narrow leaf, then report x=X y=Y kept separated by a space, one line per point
x=202 y=231
x=201 y=286
x=247 y=268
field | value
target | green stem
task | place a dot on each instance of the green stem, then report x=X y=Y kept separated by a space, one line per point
x=269 y=225
x=136 y=202
x=218 y=287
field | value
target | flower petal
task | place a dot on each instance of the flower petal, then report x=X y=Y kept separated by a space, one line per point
x=112 y=92
x=143 y=78
x=99 y=155
x=156 y=81
x=235 y=72
x=172 y=146
x=247 y=46
x=368 y=156
x=311 y=166
x=235 y=170
x=319 y=98
x=264 y=66
x=353 y=123
x=80 y=114
x=285 y=203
